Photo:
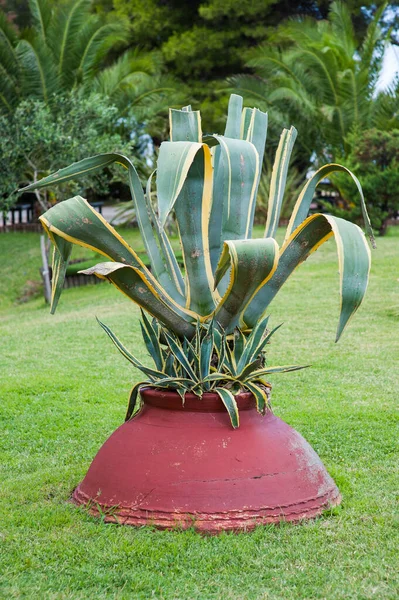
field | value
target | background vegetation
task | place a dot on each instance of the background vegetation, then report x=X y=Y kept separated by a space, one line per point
x=313 y=64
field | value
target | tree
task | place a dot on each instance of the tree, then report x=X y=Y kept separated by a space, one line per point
x=67 y=48
x=316 y=75
x=207 y=39
x=63 y=49
x=375 y=160
x=204 y=41
x=36 y=140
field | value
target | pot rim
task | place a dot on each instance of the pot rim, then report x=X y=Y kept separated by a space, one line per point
x=209 y=402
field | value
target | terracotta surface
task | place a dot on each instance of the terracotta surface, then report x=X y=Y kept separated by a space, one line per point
x=174 y=466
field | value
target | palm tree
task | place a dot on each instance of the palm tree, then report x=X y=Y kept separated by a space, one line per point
x=316 y=75
x=69 y=48
x=134 y=82
x=64 y=48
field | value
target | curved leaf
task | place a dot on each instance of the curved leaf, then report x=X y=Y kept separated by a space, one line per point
x=270 y=370
x=133 y=408
x=136 y=286
x=235 y=181
x=302 y=205
x=174 y=162
x=255 y=339
x=231 y=405
x=353 y=259
x=153 y=373
x=61 y=253
x=233 y=123
x=100 y=161
x=79 y=223
x=253 y=263
x=261 y=398
x=170 y=259
x=205 y=355
x=177 y=351
x=152 y=342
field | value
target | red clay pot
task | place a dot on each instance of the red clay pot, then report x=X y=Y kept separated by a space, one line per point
x=186 y=466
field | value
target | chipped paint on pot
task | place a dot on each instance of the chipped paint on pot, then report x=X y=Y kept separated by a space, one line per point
x=175 y=466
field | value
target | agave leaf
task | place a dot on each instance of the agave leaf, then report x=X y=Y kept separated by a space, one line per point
x=133 y=408
x=100 y=161
x=246 y=373
x=154 y=337
x=231 y=405
x=241 y=171
x=153 y=373
x=185 y=125
x=253 y=342
x=302 y=205
x=170 y=366
x=174 y=162
x=254 y=130
x=192 y=355
x=254 y=350
x=265 y=341
x=147 y=341
x=353 y=259
x=230 y=360
x=61 y=253
x=269 y=370
x=77 y=222
x=239 y=344
x=168 y=254
x=278 y=180
x=171 y=381
x=218 y=340
x=134 y=284
x=234 y=111
x=219 y=377
x=192 y=209
x=152 y=343
x=180 y=356
x=237 y=161
x=253 y=263
x=206 y=353
x=236 y=170
x=260 y=396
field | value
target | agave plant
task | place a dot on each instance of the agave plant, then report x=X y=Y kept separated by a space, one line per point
x=210 y=183
x=210 y=362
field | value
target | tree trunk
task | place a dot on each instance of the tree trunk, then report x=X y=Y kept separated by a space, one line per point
x=384 y=226
x=45 y=271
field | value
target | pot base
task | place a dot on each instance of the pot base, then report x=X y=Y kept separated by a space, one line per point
x=211 y=523
x=180 y=468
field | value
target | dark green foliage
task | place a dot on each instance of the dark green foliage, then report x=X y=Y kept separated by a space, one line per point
x=210 y=362
x=205 y=41
x=375 y=159
x=207 y=38
x=37 y=139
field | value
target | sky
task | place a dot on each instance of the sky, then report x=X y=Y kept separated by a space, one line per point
x=390 y=67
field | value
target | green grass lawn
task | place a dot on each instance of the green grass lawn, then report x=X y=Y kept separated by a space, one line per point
x=63 y=390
